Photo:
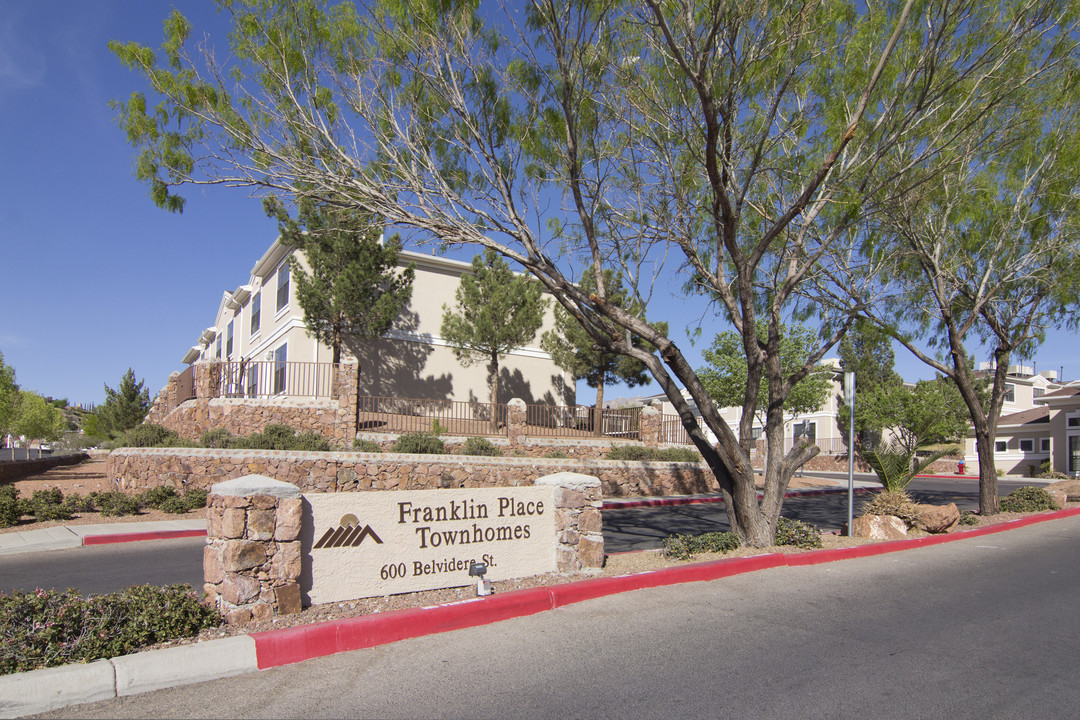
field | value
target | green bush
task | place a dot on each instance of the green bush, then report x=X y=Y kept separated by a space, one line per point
x=156 y=496
x=969 y=518
x=420 y=443
x=150 y=435
x=555 y=455
x=195 y=498
x=638 y=453
x=310 y=442
x=1027 y=499
x=273 y=437
x=480 y=446
x=216 y=438
x=49 y=505
x=797 y=533
x=116 y=503
x=238 y=442
x=79 y=503
x=365 y=445
x=10 y=510
x=45 y=628
x=684 y=547
x=175 y=505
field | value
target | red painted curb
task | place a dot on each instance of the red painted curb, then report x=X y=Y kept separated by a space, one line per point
x=290 y=645
x=136 y=536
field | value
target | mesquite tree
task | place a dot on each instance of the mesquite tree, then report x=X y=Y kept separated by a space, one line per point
x=732 y=149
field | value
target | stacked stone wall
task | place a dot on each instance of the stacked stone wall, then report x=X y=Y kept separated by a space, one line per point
x=135 y=469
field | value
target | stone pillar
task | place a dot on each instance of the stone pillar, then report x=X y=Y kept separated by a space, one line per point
x=516 y=428
x=345 y=388
x=251 y=563
x=651 y=427
x=578 y=499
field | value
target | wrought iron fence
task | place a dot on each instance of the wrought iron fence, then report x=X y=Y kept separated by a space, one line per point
x=577 y=421
x=398 y=415
x=270 y=378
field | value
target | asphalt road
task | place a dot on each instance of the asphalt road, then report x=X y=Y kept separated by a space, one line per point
x=107 y=568
x=978 y=628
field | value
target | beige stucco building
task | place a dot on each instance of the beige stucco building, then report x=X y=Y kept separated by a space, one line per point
x=260 y=328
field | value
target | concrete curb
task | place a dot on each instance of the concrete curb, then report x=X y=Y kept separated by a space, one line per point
x=38 y=691
x=139 y=536
x=42 y=690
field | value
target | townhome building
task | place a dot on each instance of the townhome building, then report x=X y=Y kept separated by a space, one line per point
x=260 y=337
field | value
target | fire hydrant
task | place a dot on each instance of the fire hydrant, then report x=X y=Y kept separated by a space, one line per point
x=960 y=468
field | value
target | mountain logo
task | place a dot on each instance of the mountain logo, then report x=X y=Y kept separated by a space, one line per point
x=348 y=533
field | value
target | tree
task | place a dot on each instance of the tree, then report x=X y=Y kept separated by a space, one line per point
x=930 y=412
x=124 y=407
x=574 y=350
x=725 y=377
x=354 y=289
x=37 y=419
x=496 y=311
x=867 y=351
x=9 y=396
x=988 y=250
x=737 y=151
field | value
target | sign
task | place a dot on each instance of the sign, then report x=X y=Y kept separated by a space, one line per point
x=367 y=544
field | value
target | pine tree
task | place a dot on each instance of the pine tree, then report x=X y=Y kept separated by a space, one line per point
x=575 y=351
x=124 y=407
x=353 y=288
x=496 y=311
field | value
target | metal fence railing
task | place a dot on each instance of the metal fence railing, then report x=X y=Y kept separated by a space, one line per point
x=578 y=421
x=271 y=378
x=185 y=384
x=401 y=415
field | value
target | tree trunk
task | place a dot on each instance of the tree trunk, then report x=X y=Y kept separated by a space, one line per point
x=493 y=392
x=988 y=481
x=598 y=419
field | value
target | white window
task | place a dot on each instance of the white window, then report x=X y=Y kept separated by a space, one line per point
x=1000 y=446
x=256 y=308
x=280 y=359
x=253 y=381
x=807 y=428
x=217 y=347
x=1074 y=422
x=1010 y=393
x=1038 y=392
x=1045 y=444
x=228 y=340
x=1027 y=445
x=283 y=287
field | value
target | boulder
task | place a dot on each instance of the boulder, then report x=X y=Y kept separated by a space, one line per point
x=1071 y=488
x=879 y=527
x=937 y=518
x=1060 y=498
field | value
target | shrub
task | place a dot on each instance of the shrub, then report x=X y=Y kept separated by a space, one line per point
x=555 y=455
x=116 y=503
x=364 y=445
x=420 y=443
x=797 y=533
x=49 y=505
x=195 y=498
x=10 y=511
x=149 y=435
x=45 y=628
x=155 y=497
x=637 y=453
x=174 y=505
x=480 y=446
x=897 y=504
x=79 y=503
x=969 y=518
x=238 y=442
x=216 y=438
x=1027 y=499
x=683 y=547
x=310 y=442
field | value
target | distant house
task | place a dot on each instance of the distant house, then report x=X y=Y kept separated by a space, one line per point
x=259 y=330
x=1032 y=428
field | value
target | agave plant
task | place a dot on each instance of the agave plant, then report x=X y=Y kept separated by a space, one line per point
x=893 y=465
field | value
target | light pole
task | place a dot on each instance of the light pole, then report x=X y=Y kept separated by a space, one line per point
x=849 y=395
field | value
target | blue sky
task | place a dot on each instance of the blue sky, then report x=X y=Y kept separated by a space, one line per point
x=93 y=277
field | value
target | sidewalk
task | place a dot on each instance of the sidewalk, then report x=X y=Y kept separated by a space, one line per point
x=61 y=537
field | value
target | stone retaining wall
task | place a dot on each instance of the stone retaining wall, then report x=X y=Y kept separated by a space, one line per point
x=18 y=469
x=137 y=468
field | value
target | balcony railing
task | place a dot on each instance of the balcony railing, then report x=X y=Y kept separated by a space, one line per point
x=270 y=378
x=403 y=415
